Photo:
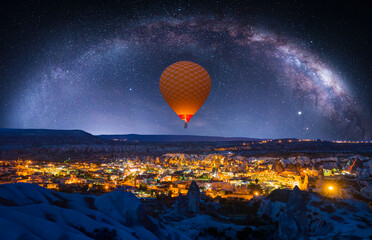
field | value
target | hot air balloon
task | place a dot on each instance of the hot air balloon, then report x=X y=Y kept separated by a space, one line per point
x=185 y=86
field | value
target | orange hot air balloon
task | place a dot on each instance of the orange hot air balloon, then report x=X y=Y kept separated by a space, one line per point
x=185 y=86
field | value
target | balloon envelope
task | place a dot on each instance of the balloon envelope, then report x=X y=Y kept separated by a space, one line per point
x=185 y=86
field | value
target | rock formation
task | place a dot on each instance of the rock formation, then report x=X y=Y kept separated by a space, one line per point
x=278 y=166
x=181 y=205
x=293 y=223
x=193 y=198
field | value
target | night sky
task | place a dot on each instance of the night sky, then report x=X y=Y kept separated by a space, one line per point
x=295 y=69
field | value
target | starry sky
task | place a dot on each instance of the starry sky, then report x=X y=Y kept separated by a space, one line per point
x=278 y=69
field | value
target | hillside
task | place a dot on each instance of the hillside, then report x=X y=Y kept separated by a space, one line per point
x=173 y=138
x=43 y=144
x=31 y=212
x=39 y=137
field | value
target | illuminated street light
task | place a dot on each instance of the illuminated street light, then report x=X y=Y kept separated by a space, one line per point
x=330 y=188
x=256 y=193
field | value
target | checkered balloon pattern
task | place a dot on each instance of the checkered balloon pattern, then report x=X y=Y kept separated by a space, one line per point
x=185 y=86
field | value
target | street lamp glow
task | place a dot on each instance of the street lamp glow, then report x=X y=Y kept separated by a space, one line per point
x=256 y=193
x=330 y=188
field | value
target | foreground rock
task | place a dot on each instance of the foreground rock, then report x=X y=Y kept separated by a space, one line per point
x=193 y=198
x=31 y=212
x=304 y=215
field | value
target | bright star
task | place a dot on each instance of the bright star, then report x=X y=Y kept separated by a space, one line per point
x=299 y=113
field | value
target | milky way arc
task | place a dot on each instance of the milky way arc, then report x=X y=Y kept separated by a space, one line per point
x=110 y=86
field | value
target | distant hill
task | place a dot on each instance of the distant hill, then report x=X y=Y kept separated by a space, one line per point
x=44 y=144
x=10 y=137
x=173 y=138
x=37 y=137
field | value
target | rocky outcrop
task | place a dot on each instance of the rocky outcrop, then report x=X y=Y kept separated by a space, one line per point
x=293 y=222
x=278 y=166
x=193 y=198
x=181 y=205
x=367 y=192
x=28 y=211
x=303 y=215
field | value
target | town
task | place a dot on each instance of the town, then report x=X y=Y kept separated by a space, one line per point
x=217 y=175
